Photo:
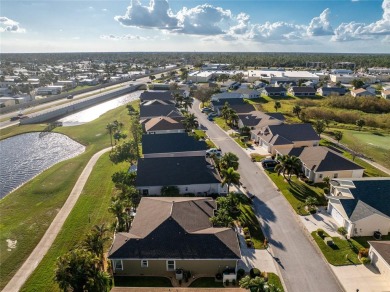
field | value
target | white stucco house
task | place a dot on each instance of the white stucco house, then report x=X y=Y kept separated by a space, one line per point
x=362 y=205
x=380 y=256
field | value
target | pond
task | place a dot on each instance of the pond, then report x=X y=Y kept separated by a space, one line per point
x=27 y=155
x=96 y=111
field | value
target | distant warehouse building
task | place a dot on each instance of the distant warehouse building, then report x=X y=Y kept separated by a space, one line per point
x=200 y=76
x=275 y=75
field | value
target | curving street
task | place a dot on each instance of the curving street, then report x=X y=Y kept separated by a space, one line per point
x=301 y=266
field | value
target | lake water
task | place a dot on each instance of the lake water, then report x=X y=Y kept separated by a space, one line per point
x=27 y=155
x=96 y=111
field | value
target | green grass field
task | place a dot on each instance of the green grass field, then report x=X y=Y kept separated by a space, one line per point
x=27 y=212
x=91 y=209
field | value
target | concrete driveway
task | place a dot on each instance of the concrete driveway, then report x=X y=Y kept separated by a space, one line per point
x=301 y=266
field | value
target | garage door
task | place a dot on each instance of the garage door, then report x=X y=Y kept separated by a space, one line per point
x=380 y=265
x=336 y=215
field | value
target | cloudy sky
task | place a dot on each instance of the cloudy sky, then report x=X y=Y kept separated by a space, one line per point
x=345 y=26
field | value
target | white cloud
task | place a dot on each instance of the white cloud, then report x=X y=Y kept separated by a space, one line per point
x=361 y=31
x=124 y=37
x=156 y=15
x=320 y=25
x=9 y=25
x=104 y=9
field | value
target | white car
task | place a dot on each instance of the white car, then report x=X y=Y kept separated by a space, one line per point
x=214 y=151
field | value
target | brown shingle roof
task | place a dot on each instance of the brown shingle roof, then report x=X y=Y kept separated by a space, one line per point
x=383 y=248
x=163 y=123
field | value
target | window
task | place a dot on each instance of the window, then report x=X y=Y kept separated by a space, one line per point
x=117 y=265
x=320 y=176
x=145 y=192
x=144 y=263
x=170 y=265
x=336 y=175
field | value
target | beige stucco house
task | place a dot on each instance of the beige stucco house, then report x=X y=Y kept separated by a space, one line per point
x=362 y=205
x=380 y=256
x=174 y=234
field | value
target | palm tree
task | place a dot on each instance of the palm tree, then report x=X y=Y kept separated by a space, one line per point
x=277 y=105
x=187 y=103
x=230 y=177
x=233 y=117
x=190 y=122
x=225 y=111
x=311 y=202
x=297 y=110
x=117 y=208
x=110 y=127
x=256 y=284
x=228 y=160
x=95 y=241
x=288 y=165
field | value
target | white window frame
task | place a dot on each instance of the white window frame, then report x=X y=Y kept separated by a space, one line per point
x=168 y=263
x=115 y=264
x=144 y=263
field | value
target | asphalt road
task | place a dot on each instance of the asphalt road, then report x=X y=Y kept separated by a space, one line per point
x=302 y=267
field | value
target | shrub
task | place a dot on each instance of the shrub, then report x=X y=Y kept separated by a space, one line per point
x=245 y=229
x=234 y=282
x=326 y=191
x=227 y=282
x=248 y=242
x=329 y=241
x=240 y=273
x=365 y=260
x=254 y=272
x=342 y=231
x=321 y=233
x=247 y=236
x=363 y=252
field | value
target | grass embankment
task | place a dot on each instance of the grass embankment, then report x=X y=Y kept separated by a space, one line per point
x=142 y=282
x=275 y=280
x=297 y=191
x=248 y=219
x=342 y=253
x=221 y=123
x=91 y=209
x=27 y=212
x=200 y=134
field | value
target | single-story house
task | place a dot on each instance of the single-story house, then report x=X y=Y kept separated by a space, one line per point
x=258 y=119
x=361 y=92
x=302 y=91
x=361 y=206
x=226 y=95
x=274 y=91
x=172 y=145
x=177 y=238
x=380 y=256
x=163 y=125
x=385 y=94
x=191 y=174
x=273 y=137
x=285 y=83
x=248 y=93
x=319 y=162
x=238 y=104
x=326 y=91
x=159 y=95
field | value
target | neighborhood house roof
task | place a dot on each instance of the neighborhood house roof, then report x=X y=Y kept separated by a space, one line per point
x=175 y=142
x=231 y=101
x=368 y=193
x=303 y=89
x=157 y=110
x=151 y=95
x=271 y=89
x=181 y=229
x=290 y=132
x=163 y=123
x=174 y=171
x=320 y=158
x=260 y=119
x=339 y=90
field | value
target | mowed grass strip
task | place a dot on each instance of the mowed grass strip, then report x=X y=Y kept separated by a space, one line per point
x=27 y=212
x=91 y=209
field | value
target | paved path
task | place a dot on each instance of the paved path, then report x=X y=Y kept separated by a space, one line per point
x=51 y=233
x=300 y=263
x=374 y=164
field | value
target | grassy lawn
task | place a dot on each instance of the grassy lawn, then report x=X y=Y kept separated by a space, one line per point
x=249 y=219
x=363 y=240
x=296 y=191
x=342 y=253
x=80 y=87
x=221 y=123
x=27 y=212
x=275 y=280
x=142 y=281
x=91 y=209
x=206 y=282
x=369 y=170
x=240 y=142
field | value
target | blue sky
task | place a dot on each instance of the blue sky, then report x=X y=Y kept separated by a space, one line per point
x=345 y=26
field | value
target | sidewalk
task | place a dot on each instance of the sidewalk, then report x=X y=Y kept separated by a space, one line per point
x=51 y=233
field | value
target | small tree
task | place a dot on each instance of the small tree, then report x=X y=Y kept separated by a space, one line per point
x=311 y=202
x=230 y=177
x=277 y=105
x=357 y=83
x=320 y=127
x=297 y=110
x=338 y=135
x=360 y=123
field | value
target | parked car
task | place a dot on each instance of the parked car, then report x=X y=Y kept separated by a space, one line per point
x=213 y=114
x=210 y=118
x=23 y=117
x=213 y=151
x=206 y=110
x=70 y=96
x=15 y=118
x=268 y=163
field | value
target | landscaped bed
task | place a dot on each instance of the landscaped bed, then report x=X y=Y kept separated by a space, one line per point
x=342 y=252
x=206 y=282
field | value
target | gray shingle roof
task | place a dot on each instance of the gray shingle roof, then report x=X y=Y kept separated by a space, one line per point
x=294 y=132
x=303 y=89
x=163 y=123
x=176 y=142
x=161 y=95
x=181 y=229
x=174 y=171
x=373 y=192
x=383 y=248
x=271 y=89
x=157 y=110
